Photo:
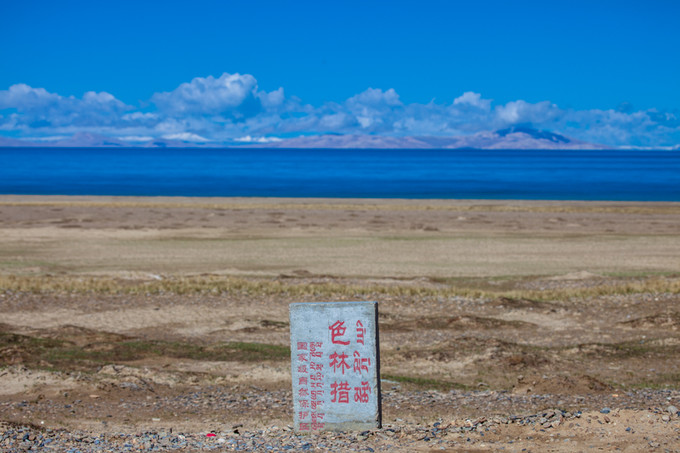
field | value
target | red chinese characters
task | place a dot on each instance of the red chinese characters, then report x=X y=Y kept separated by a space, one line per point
x=339 y=392
x=338 y=330
x=310 y=390
x=339 y=364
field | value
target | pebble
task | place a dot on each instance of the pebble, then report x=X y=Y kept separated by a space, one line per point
x=22 y=438
x=519 y=410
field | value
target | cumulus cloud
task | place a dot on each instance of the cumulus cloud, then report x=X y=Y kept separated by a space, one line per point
x=39 y=101
x=136 y=138
x=140 y=116
x=37 y=108
x=230 y=94
x=186 y=137
x=373 y=109
x=102 y=101
x=272 y=100
x=232 y=108
x=24 y=98
x=472 y=99
x=375 y=99
x=249 y=139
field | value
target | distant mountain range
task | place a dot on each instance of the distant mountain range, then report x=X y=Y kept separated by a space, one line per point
x=87 y=140
x=511 y=138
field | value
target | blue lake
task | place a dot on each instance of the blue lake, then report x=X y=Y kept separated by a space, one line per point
x=445 y=174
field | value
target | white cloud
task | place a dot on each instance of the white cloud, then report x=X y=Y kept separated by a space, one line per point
x=272 y=100
x=9 y=122
x=337 y=122
x=37 y=108
x=186 y=137
x=375 y=99
x=103 y=101
x=249 y=139
x=136 y=138
x=139 y=116
x=25 y=98
x=232 y=108
x=523 y=112
x=230 y=94
x=472 y=99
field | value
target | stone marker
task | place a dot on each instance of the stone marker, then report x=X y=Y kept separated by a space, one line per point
x=335 y=362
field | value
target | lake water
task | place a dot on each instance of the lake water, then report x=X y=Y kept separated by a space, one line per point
x=444 y=174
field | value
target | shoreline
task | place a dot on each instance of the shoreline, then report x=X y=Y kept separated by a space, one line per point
x=12 y=199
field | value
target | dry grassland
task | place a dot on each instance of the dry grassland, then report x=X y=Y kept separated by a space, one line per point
x=569 y=305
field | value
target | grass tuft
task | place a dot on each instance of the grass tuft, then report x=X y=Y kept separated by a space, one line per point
x=64 y=355
x=425 y=383
x=254 y=287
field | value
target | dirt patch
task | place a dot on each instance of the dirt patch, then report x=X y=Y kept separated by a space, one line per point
x=24 y=381
x=456 y=323
x=520 y=304
x=666 y=320
x=560 y=385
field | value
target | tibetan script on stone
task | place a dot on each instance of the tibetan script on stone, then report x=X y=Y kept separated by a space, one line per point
x=335 y=363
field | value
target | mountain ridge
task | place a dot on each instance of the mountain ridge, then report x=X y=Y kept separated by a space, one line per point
x=508 y=138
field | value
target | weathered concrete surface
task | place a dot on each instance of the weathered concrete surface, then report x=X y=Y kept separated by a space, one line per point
x=335 y=363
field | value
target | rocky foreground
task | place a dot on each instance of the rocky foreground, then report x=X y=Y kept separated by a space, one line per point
x=620 y=426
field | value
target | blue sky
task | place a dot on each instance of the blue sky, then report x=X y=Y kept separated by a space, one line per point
x=600 y=71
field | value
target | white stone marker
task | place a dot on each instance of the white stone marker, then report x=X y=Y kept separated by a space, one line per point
x=335 y=362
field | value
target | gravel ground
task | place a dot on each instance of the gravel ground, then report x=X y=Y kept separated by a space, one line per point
x=546 y=430
x=481 y=433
